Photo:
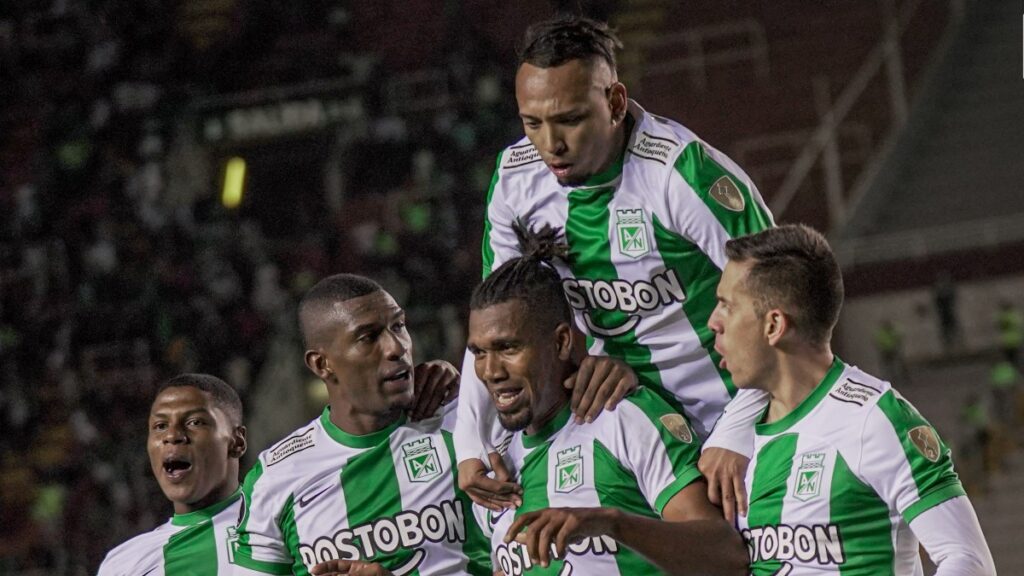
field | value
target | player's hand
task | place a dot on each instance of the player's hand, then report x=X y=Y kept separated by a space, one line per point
x=434 y=383
x=539 y=529
x=350 y=568
x=600 y=383
x=725 y=471
x=496 y=493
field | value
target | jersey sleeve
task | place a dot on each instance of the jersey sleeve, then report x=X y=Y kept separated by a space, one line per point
x=477 y=430
x=904 y=460
x=952 y=536
x=658 y=446
x=712 y=200
x=499 y=241
x=735 y=428
x=265 y=515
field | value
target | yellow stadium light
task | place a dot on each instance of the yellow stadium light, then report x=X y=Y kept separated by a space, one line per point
x=234 y=180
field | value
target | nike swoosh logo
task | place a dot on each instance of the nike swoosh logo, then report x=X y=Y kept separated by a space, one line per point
x=492 y=519
x=149 y=571
x=305 y=500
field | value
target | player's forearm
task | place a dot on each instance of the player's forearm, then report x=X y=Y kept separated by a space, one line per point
x=694 y=546
x=735 y=428
x=473 y=434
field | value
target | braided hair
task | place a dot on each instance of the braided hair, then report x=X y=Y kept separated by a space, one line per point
x=530 y=278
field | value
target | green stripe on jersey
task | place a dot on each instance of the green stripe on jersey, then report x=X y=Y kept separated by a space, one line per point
x=774 y=462
x=242 y=553
x=486 y=251
x=617 y=488
x=372 y=491
x=534 y=479
x=586 y=231
x=290 y=533
x=702 y=276
x=192 y=551
x=476 y=543
x=936 y=480
x=702 y=172
x=863 y=519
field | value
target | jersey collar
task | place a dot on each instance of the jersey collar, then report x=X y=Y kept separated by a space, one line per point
x=549 y=429
x=204 y=514
x=353 y=441
x=809 y=403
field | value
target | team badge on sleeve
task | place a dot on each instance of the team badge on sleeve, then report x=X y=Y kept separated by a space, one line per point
x=927 y=443
x=725 y=192
x=676 y=426
x=421 y=462
x=569 y=471
x=808 y=476
x=632 y=233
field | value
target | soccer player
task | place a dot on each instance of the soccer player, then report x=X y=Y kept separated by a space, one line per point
x=846 y=476
x=646 y=207
x=361 y=483
x=612 y=496
x=196 y=439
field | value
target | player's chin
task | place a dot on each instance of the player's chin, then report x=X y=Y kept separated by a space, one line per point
x=515 y=421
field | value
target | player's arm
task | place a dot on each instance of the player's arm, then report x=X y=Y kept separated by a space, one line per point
x=951 y=535
x=349 y=568
x=261 y=547
x=691 y=537
x=728 y=449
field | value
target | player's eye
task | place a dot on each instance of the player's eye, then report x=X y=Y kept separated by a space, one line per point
x=572 y=120
x=531 y=125
x=398 y=326
x=158 y=426
x=196 y=422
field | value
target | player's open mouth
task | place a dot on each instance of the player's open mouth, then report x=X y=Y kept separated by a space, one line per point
x=402 y=374
x=507 y=397
x=560 y=170
x=176 y=468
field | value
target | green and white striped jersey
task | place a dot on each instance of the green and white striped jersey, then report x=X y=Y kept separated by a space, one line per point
x=635 y=458
x=195 y=544
x=389 y=497
x=835 y=484
x=647 y=242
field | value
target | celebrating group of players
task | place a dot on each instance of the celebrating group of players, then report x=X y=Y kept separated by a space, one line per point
x=637 y=304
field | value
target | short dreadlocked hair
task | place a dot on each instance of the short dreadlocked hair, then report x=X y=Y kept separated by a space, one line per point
x=530 y=278
x=554 y=42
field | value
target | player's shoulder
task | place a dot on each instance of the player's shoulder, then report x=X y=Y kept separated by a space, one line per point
x=851 y=399
x=657 y=141
x=520 y=157
x=137 y=555
x=645 y=409
x=294 y=447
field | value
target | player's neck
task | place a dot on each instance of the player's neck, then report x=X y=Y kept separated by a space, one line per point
x=542 y=420
x=618 y=147
x=218 y=494
x=796 y=376
x=357 y=423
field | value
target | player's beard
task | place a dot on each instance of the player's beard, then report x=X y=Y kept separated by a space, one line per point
x=516 y=421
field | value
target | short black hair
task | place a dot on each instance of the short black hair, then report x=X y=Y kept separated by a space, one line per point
x=327 y=292
x=793 y=269
x=530 y=278
x=554 y=42
x=224 y=396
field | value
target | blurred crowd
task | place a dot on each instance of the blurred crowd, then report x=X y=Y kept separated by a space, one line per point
x=119 y=266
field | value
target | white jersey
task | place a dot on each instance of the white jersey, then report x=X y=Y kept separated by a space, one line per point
x=647 y=247
x=635 y=458
x=389 y=497
x=835 y=484
x=195 y=544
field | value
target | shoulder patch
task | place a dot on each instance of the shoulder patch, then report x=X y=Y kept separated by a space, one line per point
x=676 y=426
x=727 y=194
x=520 y=155
x=926 y=441
x=289 y=446
x=854 y=392
x=656 y=148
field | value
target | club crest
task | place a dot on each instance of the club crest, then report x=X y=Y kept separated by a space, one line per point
x=569 y=470
x=808 y=476
x=421 y=461
x=676 y=426
x=927 y=443
x=631 y=230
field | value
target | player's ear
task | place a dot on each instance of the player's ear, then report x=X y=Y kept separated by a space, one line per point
x=776 y=324
x=618 y=101
x=238 y=442
x=317 y=364
x=564 y=340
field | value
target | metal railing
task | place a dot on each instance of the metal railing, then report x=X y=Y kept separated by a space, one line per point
x=698 y=58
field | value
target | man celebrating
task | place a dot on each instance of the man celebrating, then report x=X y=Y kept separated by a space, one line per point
x=610 y=497
x=646 y=208
x=196 y=439
x=360 y=489
x=846 y=474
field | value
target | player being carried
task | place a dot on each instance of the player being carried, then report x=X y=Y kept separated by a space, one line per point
x=611 y=497
x=195 y=441
x=847 y=476
x=646 y=208
x=361 y=489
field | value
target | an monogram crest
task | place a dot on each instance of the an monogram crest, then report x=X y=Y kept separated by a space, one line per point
x=421 y=461
x=808 y=476
x=631 y=230
x=569 y=470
